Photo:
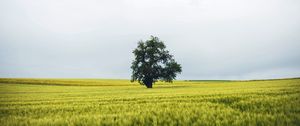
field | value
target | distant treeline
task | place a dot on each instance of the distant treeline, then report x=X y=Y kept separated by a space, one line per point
x=241 y=80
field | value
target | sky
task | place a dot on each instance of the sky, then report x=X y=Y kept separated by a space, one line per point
x=211 y=39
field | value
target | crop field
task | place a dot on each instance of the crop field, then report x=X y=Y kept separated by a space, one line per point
x=119 y=102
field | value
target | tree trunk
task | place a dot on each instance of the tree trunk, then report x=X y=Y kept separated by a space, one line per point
x=148 y=83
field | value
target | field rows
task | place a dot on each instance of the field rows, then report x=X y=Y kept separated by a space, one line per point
x=105 y=102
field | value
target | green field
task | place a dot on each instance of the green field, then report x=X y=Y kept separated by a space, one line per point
x=119 y=102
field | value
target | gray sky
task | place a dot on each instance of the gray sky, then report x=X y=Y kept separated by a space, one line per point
x=211 y=39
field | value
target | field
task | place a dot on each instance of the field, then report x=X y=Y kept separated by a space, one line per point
x=119 y=102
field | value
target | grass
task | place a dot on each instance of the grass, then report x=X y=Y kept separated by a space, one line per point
x=119 y=102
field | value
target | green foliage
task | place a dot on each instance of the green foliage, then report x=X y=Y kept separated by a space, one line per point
x=118 y=102
x=153 y=62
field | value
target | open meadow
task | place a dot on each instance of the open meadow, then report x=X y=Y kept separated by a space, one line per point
x=119 y=102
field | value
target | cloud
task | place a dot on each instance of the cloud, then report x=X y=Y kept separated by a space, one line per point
x=212 y=39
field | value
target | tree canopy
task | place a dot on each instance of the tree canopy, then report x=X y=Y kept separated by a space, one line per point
x=153 y=62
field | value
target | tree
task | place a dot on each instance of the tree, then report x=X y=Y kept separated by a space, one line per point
x=153 y=62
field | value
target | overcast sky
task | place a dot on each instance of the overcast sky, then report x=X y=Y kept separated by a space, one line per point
x=211 y=39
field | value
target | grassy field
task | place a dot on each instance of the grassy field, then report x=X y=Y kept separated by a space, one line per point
x=119 y=102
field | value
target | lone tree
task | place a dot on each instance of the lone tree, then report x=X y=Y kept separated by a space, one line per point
x=153 y=62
